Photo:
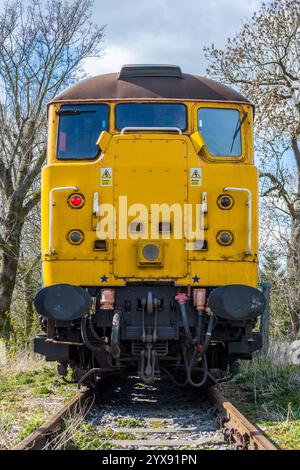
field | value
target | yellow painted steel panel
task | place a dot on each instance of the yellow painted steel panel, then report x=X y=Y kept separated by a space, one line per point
x=151 y=168
x=150 y=171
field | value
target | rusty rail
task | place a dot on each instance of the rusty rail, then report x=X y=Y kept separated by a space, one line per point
x=237 y=428
x=38 y=439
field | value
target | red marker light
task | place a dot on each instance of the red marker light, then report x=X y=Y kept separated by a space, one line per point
x=76 y=201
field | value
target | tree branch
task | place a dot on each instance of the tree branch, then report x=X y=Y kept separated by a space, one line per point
x=281 y=191
x=32 y=202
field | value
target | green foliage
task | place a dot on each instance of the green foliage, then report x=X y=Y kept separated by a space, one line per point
x=269 y=394
x=26 y=377
x=129 y=423
x=88 y=437
x=271 y=266
x=285 y=433
x=30 y=427
x=43 y=390
x=29 y=392
x=111 y=434
x=272 y=271
x=263 y=380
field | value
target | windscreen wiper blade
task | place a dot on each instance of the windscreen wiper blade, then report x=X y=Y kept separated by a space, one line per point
x=238 y=130
x=72 y=112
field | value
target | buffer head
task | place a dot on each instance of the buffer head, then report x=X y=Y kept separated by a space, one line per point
x=63 y=302
x=236 y=302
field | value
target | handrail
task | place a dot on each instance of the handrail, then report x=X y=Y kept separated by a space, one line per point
x=52 y=191
x=172 y=129
x=246 y=190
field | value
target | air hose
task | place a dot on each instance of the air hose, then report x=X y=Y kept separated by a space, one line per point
x=179 y=384
x=115 y=335
x=200 y=315
x=93 y=331
x=189 y=366
x=208 y=333
x=182 y=299
x=84 y=335
x=185 y=323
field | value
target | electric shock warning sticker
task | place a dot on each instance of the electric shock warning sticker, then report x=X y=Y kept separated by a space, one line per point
x=106 y=176
x=196 y=176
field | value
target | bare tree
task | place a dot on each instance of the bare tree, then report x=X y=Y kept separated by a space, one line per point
x=263 y=61
x=24 y=319
x=42 y=49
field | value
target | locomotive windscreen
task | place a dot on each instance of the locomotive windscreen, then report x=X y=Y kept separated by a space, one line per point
x=221 y=131
x=79 y=130
x=151 y=115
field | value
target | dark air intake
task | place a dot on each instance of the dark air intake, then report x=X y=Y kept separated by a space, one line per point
x=149 y=70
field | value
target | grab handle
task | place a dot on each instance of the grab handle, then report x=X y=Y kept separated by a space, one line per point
x=154 y=129
x=246 y=190
x=52 y=191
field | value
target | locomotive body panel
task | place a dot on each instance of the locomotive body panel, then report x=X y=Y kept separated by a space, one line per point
x=150 y=171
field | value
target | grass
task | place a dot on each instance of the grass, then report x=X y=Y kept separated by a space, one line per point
x=129 y=423
x=30 y=427
x=30 y=391
x=88 y=437
x=268 y=393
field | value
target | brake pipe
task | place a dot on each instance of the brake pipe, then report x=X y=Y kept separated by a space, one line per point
x=182 y=298
x=84 y=335
x=208 y=333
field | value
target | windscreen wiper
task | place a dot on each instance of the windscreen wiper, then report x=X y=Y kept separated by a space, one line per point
x=72 y=112
x=238 y=128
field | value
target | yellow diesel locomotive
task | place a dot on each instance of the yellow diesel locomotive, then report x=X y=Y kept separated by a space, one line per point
x=149 y=228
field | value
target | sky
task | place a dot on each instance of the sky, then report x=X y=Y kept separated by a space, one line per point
x=165 y=31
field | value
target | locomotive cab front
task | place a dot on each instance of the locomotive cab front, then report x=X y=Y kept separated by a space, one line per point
x=149 y=228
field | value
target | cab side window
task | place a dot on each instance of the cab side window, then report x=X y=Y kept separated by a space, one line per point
x=221 y=131
x=79 y=130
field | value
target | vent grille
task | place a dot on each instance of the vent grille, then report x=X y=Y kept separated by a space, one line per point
x=149 y=70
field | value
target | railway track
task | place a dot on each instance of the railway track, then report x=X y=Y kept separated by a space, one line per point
x=53 y=426
x=134 y=416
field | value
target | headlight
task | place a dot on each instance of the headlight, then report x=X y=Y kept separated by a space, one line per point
x=225 y=238
x=76 y=201
x=150 y=252
x=225 y=202
x=75 y=237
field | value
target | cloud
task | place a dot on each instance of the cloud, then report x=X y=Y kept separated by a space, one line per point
x=165 y=31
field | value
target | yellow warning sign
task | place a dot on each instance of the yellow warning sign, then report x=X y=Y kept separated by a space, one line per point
x=196 y=176
x=106 y=176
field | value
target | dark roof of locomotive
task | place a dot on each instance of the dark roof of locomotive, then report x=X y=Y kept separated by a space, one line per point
x=114 y=86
